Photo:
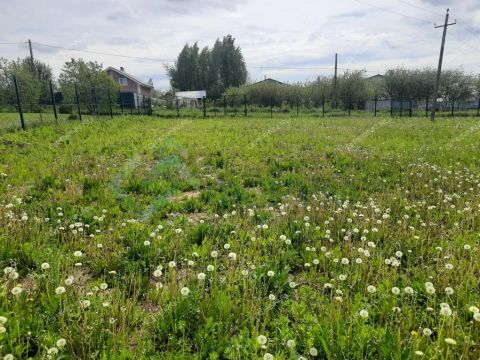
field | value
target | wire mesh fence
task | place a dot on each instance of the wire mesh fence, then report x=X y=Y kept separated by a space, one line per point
x=23 y=107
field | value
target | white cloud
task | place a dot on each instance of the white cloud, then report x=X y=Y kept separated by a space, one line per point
x=271 y=33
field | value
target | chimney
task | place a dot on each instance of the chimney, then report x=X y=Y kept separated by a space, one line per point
x=122 y=68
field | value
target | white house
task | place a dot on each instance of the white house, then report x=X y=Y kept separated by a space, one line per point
x=190 y=99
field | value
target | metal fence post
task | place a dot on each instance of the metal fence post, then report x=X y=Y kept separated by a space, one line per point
x=375 y=106
x=110 y=104
x=138 y=104
x=410 y=103
x=78 y=102
x=426 y=107
x=234 y=105
x=19 y=103
x=453 y=106
x=349 y=107
x=178 y=109
x=120 y=101
x=225 y=105
x=204 y=100
x=391 y=107
x=53 y=101
x=143 y=105
x=245 y=103
x=401 y=107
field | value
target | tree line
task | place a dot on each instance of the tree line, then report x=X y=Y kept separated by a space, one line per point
x=354 y=88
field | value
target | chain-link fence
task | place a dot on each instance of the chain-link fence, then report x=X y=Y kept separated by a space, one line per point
x=23 y=107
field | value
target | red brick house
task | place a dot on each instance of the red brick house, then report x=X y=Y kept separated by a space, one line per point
x=128 y=83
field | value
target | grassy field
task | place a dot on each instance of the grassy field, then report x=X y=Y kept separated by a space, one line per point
x=256 y=238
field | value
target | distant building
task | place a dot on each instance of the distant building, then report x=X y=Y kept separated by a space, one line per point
x=190 y=99
x=375 y=78
x=132 y=90
x=268 y=81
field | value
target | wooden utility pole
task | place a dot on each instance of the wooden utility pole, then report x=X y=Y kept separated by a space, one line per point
x=31 y=56
x=439 y=70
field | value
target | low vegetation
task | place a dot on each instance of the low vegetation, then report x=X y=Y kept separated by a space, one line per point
x=292 y=238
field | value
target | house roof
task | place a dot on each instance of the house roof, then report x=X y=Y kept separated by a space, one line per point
x=375 y=77
x=269 y=80
x=123 y=73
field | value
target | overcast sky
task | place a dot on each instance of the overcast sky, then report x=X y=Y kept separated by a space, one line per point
x=302 y=35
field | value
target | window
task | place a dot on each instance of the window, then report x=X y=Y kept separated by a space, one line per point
x=123 y=81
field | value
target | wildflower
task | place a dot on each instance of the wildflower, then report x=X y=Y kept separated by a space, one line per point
x=270 y=273
x=3 y=320
x=474 y=309
x=419 y=353
x=185 y=291
x=210 y=268
x=268 y=356
x=45 y=266
x=2 y=329
x=17 y=290
x=345 y=261
x=214 y=254
x=262 y=339
x=85 y=304
x=476 y=316
x=52 y=351
x=201 y=276
x=60 y=290
x=157 y=273
x=450 y=341
x=408 y=290
x=146 y=243
x=232 y=256
x=395 y=290
x=446 y=311
x=313 y=351
x=427 y=332
x=342 y=277
x=363 y=313
x=8 y=357
x=178 y=231
x=292 y=284
x=77 y=253
x=449 y=291
x=172 y=264
x=69 y=280
x=103 y=286
x=291 y=343
x=271 y=297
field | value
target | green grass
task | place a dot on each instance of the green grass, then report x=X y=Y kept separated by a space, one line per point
x=112 y=201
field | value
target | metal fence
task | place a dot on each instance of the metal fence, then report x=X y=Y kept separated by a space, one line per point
x=22 y=108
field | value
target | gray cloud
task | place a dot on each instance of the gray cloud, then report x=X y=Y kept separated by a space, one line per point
x=271 y=33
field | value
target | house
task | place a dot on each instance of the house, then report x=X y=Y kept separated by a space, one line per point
x=375 y=78
x=269 y=81
x=190 y=99
x=132 y=91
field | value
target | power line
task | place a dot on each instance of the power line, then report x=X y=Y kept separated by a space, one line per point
x=102 y=53
x=12 y=43
x=393 y=12
x=420 y=8
x=305 y=68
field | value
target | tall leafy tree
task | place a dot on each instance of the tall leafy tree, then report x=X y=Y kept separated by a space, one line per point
x=213 y=70
x=92 y=81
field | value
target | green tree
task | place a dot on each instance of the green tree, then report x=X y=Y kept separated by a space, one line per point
x=455 y=85
x=213 y=70
x=33 y=86
x=92 y=81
